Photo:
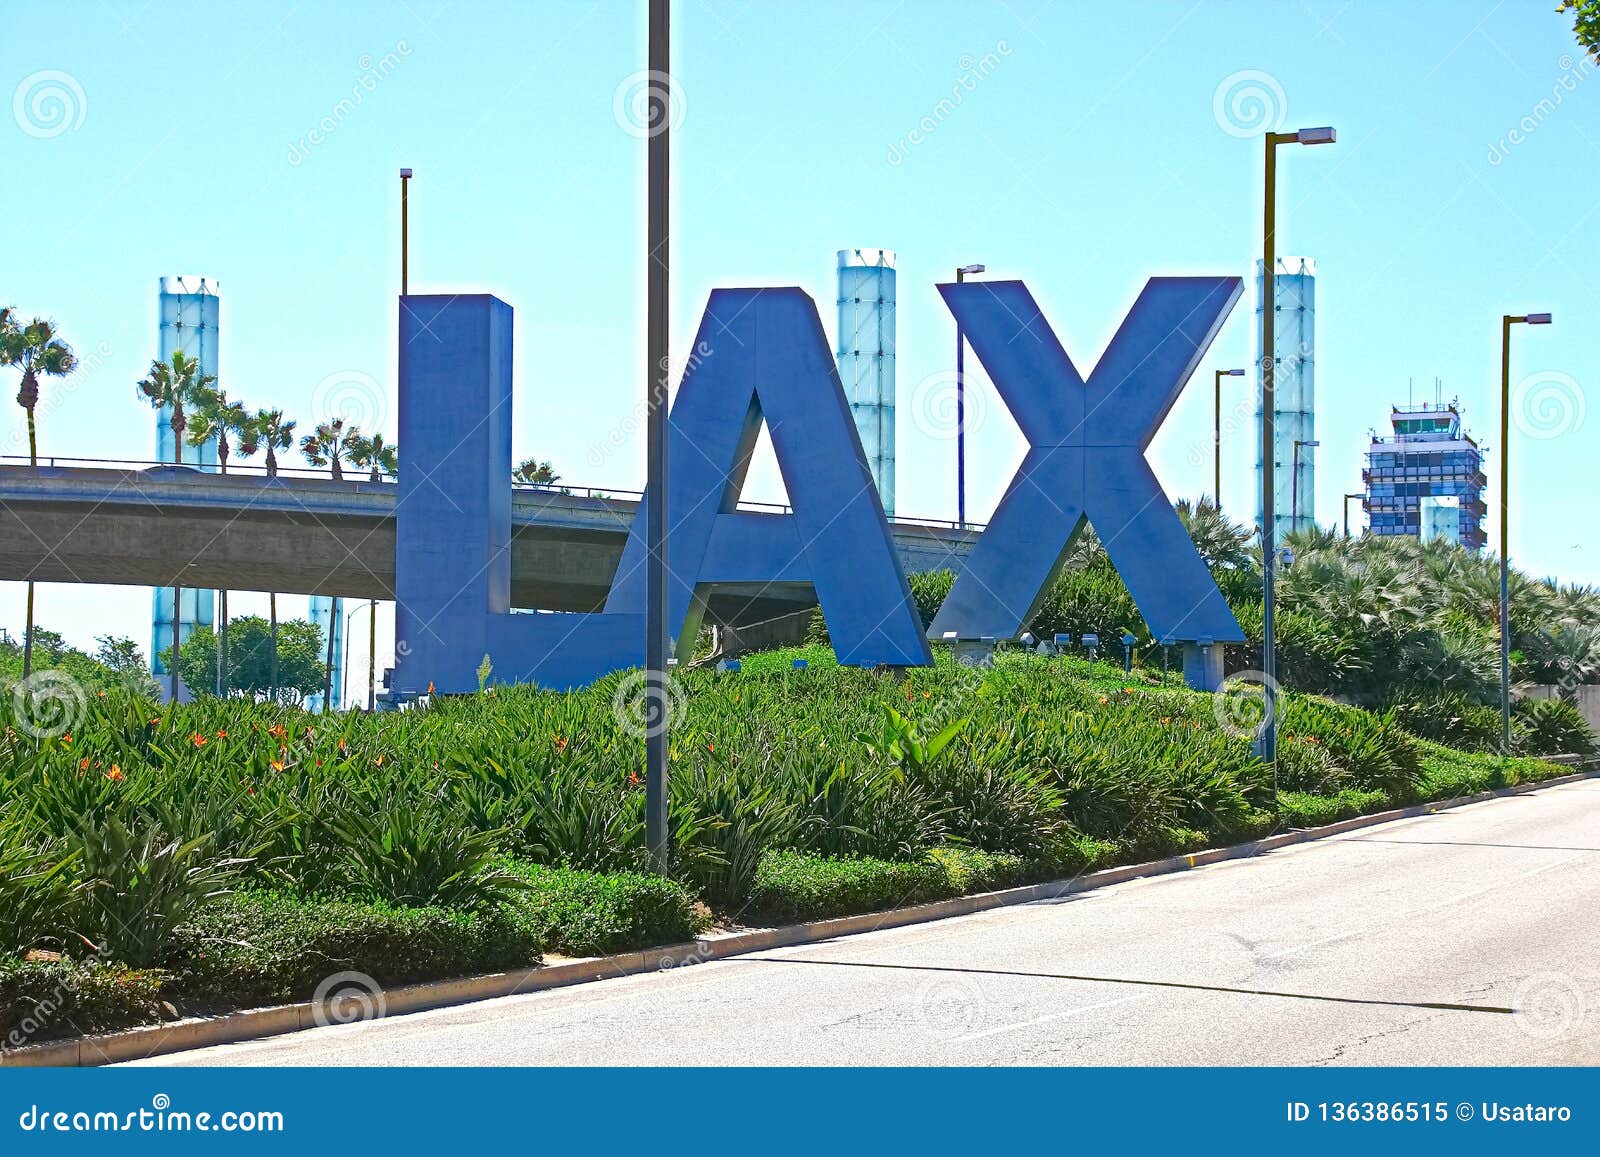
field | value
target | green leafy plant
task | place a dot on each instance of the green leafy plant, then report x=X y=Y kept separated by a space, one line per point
x=901 y=743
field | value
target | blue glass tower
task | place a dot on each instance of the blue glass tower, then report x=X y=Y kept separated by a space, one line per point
x=189 y=313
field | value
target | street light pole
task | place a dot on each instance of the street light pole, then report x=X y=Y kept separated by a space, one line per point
x=372 y=652
x=961 y=408
x=405 y=238
x=1294 y=485
x=1506 y=322
x=1347 y=499
x=1269 y=538
x=1216 y=436
x=657 y=353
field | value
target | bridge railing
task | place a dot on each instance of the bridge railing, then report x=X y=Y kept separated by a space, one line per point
x=354 y=474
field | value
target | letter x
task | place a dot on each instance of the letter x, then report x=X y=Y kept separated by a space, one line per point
x=1086 y=460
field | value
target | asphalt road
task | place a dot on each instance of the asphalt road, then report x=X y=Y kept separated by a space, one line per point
x=1469 y=937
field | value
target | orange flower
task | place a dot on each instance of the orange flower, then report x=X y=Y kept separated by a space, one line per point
x=1103 y=699
x=115 y=774
x=156 y=722
x=633 y=778
x=83 y=763
x=67 y=739
x=561 y=743
x=430 y=686
x=927 y=694
x=275 y=764
x=378 y=762
x=712 y=747
x=198 y=739
x=277 y=731
x=222 y=735
x=341 y=747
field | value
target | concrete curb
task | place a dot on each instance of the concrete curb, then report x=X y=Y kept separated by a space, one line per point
x=156 y=1040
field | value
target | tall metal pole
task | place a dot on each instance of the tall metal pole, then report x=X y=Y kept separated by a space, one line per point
x=372 y=657
x=1506 y=322
x=1347 y=499
x=1269 y=536
x=1216 y=445
x=961 y=417
x=656 y=373
x=405 y=238
x=1505 y=536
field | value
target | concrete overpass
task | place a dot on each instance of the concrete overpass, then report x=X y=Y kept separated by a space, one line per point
x=176 y=526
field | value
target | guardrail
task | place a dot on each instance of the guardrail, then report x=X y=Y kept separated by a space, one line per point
x=256 y=470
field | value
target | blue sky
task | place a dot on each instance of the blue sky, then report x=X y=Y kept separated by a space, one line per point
x=1093 y=147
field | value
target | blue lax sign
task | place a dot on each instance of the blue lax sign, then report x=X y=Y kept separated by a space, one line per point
x=762 y=356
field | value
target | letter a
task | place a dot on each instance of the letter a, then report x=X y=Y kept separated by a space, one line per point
x=761 y=353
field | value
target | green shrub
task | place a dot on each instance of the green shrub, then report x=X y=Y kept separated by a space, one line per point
x=1300 y=810
x=256 y=947
x=1551 y=727
x=139 y=884
x=35 y=888
x=930 y=589
x=44 y=1000
x=412 y=853
x=578 y=913
x=975 y=870
x=793 y=886
x=1450 y=717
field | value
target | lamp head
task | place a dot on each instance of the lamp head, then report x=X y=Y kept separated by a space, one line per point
x=1538 y=319
x=1233 y=373
x=967 y=270
x=1317 y=136
x=405 y=174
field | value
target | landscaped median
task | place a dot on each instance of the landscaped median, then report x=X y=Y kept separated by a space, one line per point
x=159 y=863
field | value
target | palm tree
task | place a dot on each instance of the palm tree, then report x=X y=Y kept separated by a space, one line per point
x=35 y=349
x=533 y=472
x=217 y=417
x=268 y=430
x=331 y=444
x=174 y=385
x=373 y=453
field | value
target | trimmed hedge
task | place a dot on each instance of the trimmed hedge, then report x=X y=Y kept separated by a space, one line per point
x=974 y=870
x=591 y=913
x=795 y=886
x=44 y=1000
x=268 y=947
